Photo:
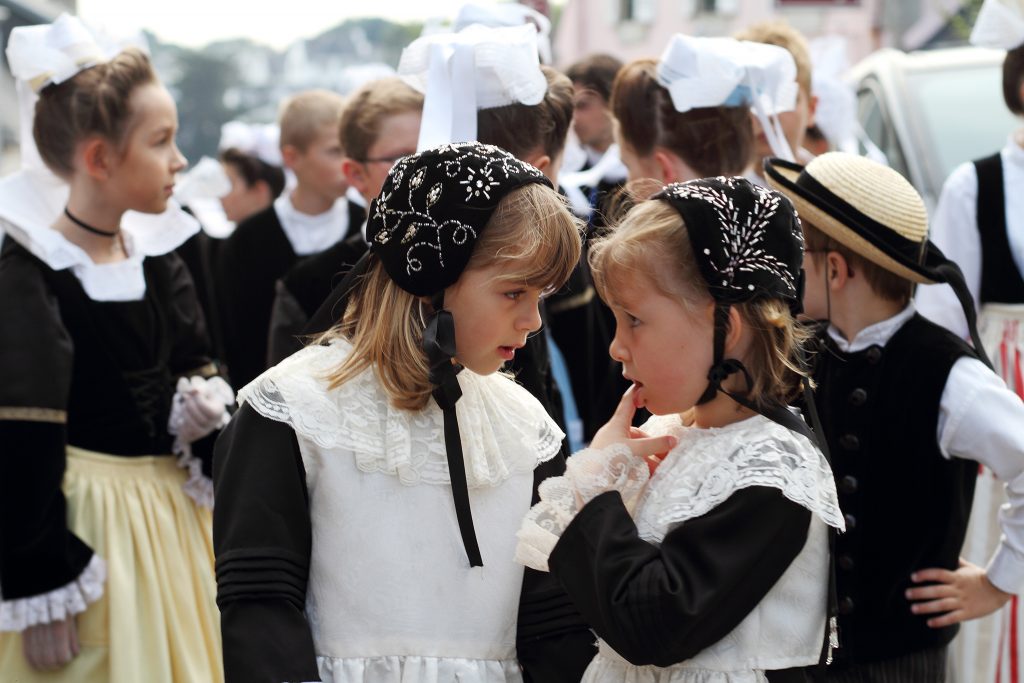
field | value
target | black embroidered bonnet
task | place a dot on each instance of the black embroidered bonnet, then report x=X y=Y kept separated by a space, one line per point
x=423 y=227
x=748 y=245
x=433 y=205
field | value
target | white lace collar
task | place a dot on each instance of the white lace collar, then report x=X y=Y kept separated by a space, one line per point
x=30 y=203
x=504 y=429
x=310 y=234
x=877 y=334
x=709 y=465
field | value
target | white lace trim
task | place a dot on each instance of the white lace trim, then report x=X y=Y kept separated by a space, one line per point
x=57 y=605
x=702 y=471
x=712 y=464
x=504 y=429
x=588 y=474
x=198 y=486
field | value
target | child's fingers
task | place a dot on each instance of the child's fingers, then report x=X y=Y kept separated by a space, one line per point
x=635 y=433
x=641 y=448
x=945 y=620
x=942 y=590
x=627 y=406
x=934 y=606
x=933 y=574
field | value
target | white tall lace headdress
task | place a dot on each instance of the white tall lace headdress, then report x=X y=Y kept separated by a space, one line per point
x=477 y=68
x=715 y=72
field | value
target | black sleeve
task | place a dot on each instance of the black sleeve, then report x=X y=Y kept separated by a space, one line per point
x=663 y=604
x=553 y=642
x=262 y=538
x=287 y=320
x=40 y=553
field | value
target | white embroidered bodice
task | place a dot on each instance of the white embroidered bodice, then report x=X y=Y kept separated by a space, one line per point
x=391 y=595
x=704 y=469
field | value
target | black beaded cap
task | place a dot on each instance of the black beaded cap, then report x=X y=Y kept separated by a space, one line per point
x=746 y=238
x=433 y=206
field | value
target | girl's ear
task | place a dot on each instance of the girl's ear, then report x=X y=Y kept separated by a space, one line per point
x=97 y=157
x=666 y=167
x=734 y=338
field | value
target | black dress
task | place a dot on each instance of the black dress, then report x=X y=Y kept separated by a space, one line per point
x=97 y=375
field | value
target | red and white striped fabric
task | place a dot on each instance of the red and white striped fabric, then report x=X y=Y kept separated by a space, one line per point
x=989 y=650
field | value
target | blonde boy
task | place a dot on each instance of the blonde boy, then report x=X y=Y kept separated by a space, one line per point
x=306 y=220
x=379 y=125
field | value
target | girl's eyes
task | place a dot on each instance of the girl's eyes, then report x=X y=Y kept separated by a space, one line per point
x=633 y=322
x=516 y=295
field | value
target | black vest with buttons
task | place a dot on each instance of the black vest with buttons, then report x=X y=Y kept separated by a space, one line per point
x=906 y=506
x=1001 y=279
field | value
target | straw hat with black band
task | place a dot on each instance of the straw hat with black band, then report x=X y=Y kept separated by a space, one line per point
x=875 y=212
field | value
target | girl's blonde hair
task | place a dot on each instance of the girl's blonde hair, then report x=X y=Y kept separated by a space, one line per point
x=652 y=242
x=531 y=230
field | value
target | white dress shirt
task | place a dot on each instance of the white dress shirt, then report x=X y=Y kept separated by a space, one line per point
x=311 y=234
x=954 y=230
x=981 y=420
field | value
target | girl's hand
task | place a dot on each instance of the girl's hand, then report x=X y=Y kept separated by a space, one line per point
x=49 y=647
x=964 y=594
x=619 y=429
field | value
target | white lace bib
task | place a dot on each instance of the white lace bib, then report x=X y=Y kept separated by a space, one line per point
x=504 y=429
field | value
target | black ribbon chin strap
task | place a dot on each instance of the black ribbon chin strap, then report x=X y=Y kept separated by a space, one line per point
x=780 y=414
x=439 y=345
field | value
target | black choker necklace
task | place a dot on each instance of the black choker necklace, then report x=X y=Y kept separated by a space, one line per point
x=86 y=226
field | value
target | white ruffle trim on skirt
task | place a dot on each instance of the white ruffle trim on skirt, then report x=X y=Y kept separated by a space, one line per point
x=417 y=669
x=57 y=605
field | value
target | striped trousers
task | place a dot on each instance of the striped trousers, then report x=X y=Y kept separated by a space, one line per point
x=926 y=666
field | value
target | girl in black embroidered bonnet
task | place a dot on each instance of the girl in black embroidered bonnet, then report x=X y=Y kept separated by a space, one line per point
x=718 y=561
x=366 y=478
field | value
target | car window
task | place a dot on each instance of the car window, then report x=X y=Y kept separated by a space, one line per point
x=961 y=112
x=878 y=127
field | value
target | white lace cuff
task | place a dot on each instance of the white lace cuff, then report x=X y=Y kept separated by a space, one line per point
x=588 y=474
x=198 y=486
x=58 y=604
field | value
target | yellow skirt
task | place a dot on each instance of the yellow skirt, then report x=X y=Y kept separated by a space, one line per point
x=157 y=620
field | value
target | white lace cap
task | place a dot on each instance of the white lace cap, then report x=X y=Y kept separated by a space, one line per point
x=49 y=54
x=477 y=68
x=508 y=14
x=836 y=113
x=1000 y=24
x=261 y=140
x=714 y=72
x=205 y=180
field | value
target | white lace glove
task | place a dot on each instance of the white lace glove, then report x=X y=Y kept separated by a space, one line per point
x=588 y=474
x=199 y=407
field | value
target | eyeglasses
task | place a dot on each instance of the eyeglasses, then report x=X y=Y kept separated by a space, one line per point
x=384 y=160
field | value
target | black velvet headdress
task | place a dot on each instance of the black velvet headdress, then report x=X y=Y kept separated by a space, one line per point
x=432 y=207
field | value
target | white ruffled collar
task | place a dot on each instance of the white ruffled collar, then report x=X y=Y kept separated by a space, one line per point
x=30 y=203
x=310 y=234
x=708 y=465
x=505 y=431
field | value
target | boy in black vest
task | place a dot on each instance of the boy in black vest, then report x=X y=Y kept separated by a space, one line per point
x=908 y=410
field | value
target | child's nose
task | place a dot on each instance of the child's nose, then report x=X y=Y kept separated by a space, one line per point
x=530 y=320
x=617 y=350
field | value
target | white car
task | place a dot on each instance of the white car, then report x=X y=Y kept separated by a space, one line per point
x=930 y=111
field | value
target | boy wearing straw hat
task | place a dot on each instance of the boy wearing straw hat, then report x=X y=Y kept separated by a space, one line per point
x=908 y=410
